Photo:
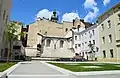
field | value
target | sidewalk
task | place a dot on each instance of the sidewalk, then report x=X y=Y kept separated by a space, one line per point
x=0 y=73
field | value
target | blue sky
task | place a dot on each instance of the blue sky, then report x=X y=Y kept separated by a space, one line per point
x=26 y=11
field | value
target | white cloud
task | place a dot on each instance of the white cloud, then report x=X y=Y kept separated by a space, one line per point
x=91 y=15
x=88 y=4
x=91 y=5
x=105 y=2
x=45 y=13
x=70 y=16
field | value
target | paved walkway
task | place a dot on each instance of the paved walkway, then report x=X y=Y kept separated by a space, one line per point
x=35 y=68
x=0 y=73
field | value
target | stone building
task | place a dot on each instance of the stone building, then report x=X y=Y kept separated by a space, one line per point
x=56 y=47
x=47 y=28
x=5 y=7
x=109 y=34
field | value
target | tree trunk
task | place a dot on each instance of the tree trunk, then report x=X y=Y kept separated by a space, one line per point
x=9 y=52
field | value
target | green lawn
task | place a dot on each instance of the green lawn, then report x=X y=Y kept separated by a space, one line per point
x=80 y=67
x=4 y=66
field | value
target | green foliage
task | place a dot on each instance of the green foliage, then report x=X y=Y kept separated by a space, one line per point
x=78 y=67
x=11 y=31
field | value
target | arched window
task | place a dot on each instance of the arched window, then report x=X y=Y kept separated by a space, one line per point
x=48 y=43
x=61 y=43
x=66 y=29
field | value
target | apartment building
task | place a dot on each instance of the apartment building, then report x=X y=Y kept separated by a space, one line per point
x=83 y=38
x=109 y=34
x=5 y=6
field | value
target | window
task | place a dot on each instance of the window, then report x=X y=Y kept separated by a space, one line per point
x=45 y=33
x=7 y=19
x=102 y=27
x=61 y=44
x=40 y=31
x=119 y=34
x=94 y=42
x=104 y=54
x=79 y=45
x=4 y=15
x=89 y=42
x=48 y=43
x=75 y=37
x=103 y=40
x=111 y=52
x=55 y=46
x=119 y=17
x=66 y=29
x=83 y=54
x=79 y=37
x=109 y=24
x=110 y=38
x=16 y=47
x=93 y=32
x=6 y=52
x=89 y=32
x=83 y=44
x=75 y=45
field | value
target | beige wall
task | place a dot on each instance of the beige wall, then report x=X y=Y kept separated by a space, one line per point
x=117 y=29
x=42 y=26
x=113 y=30
x=52 y=29
x=51 y=51
x=5 y=7
x=32 y=52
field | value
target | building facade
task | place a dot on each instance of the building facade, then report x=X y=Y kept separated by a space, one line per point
x=48 y=28
x=83 y=39
x=5 y=7
x=56 y=47
x=109 y=34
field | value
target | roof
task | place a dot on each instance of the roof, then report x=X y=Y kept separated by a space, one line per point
x=87 y=24
x=53 y=36
x=82 y=32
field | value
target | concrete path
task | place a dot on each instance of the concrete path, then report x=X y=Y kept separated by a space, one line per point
x=34 y=68
x=0 y=73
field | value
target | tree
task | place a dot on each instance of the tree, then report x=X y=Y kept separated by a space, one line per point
x=92 y=51
x=11 y=33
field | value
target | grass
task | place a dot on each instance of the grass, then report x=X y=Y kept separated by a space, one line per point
x=78 y=67
x=4 y=66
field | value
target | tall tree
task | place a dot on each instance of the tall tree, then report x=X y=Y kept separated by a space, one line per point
x=12 y=34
